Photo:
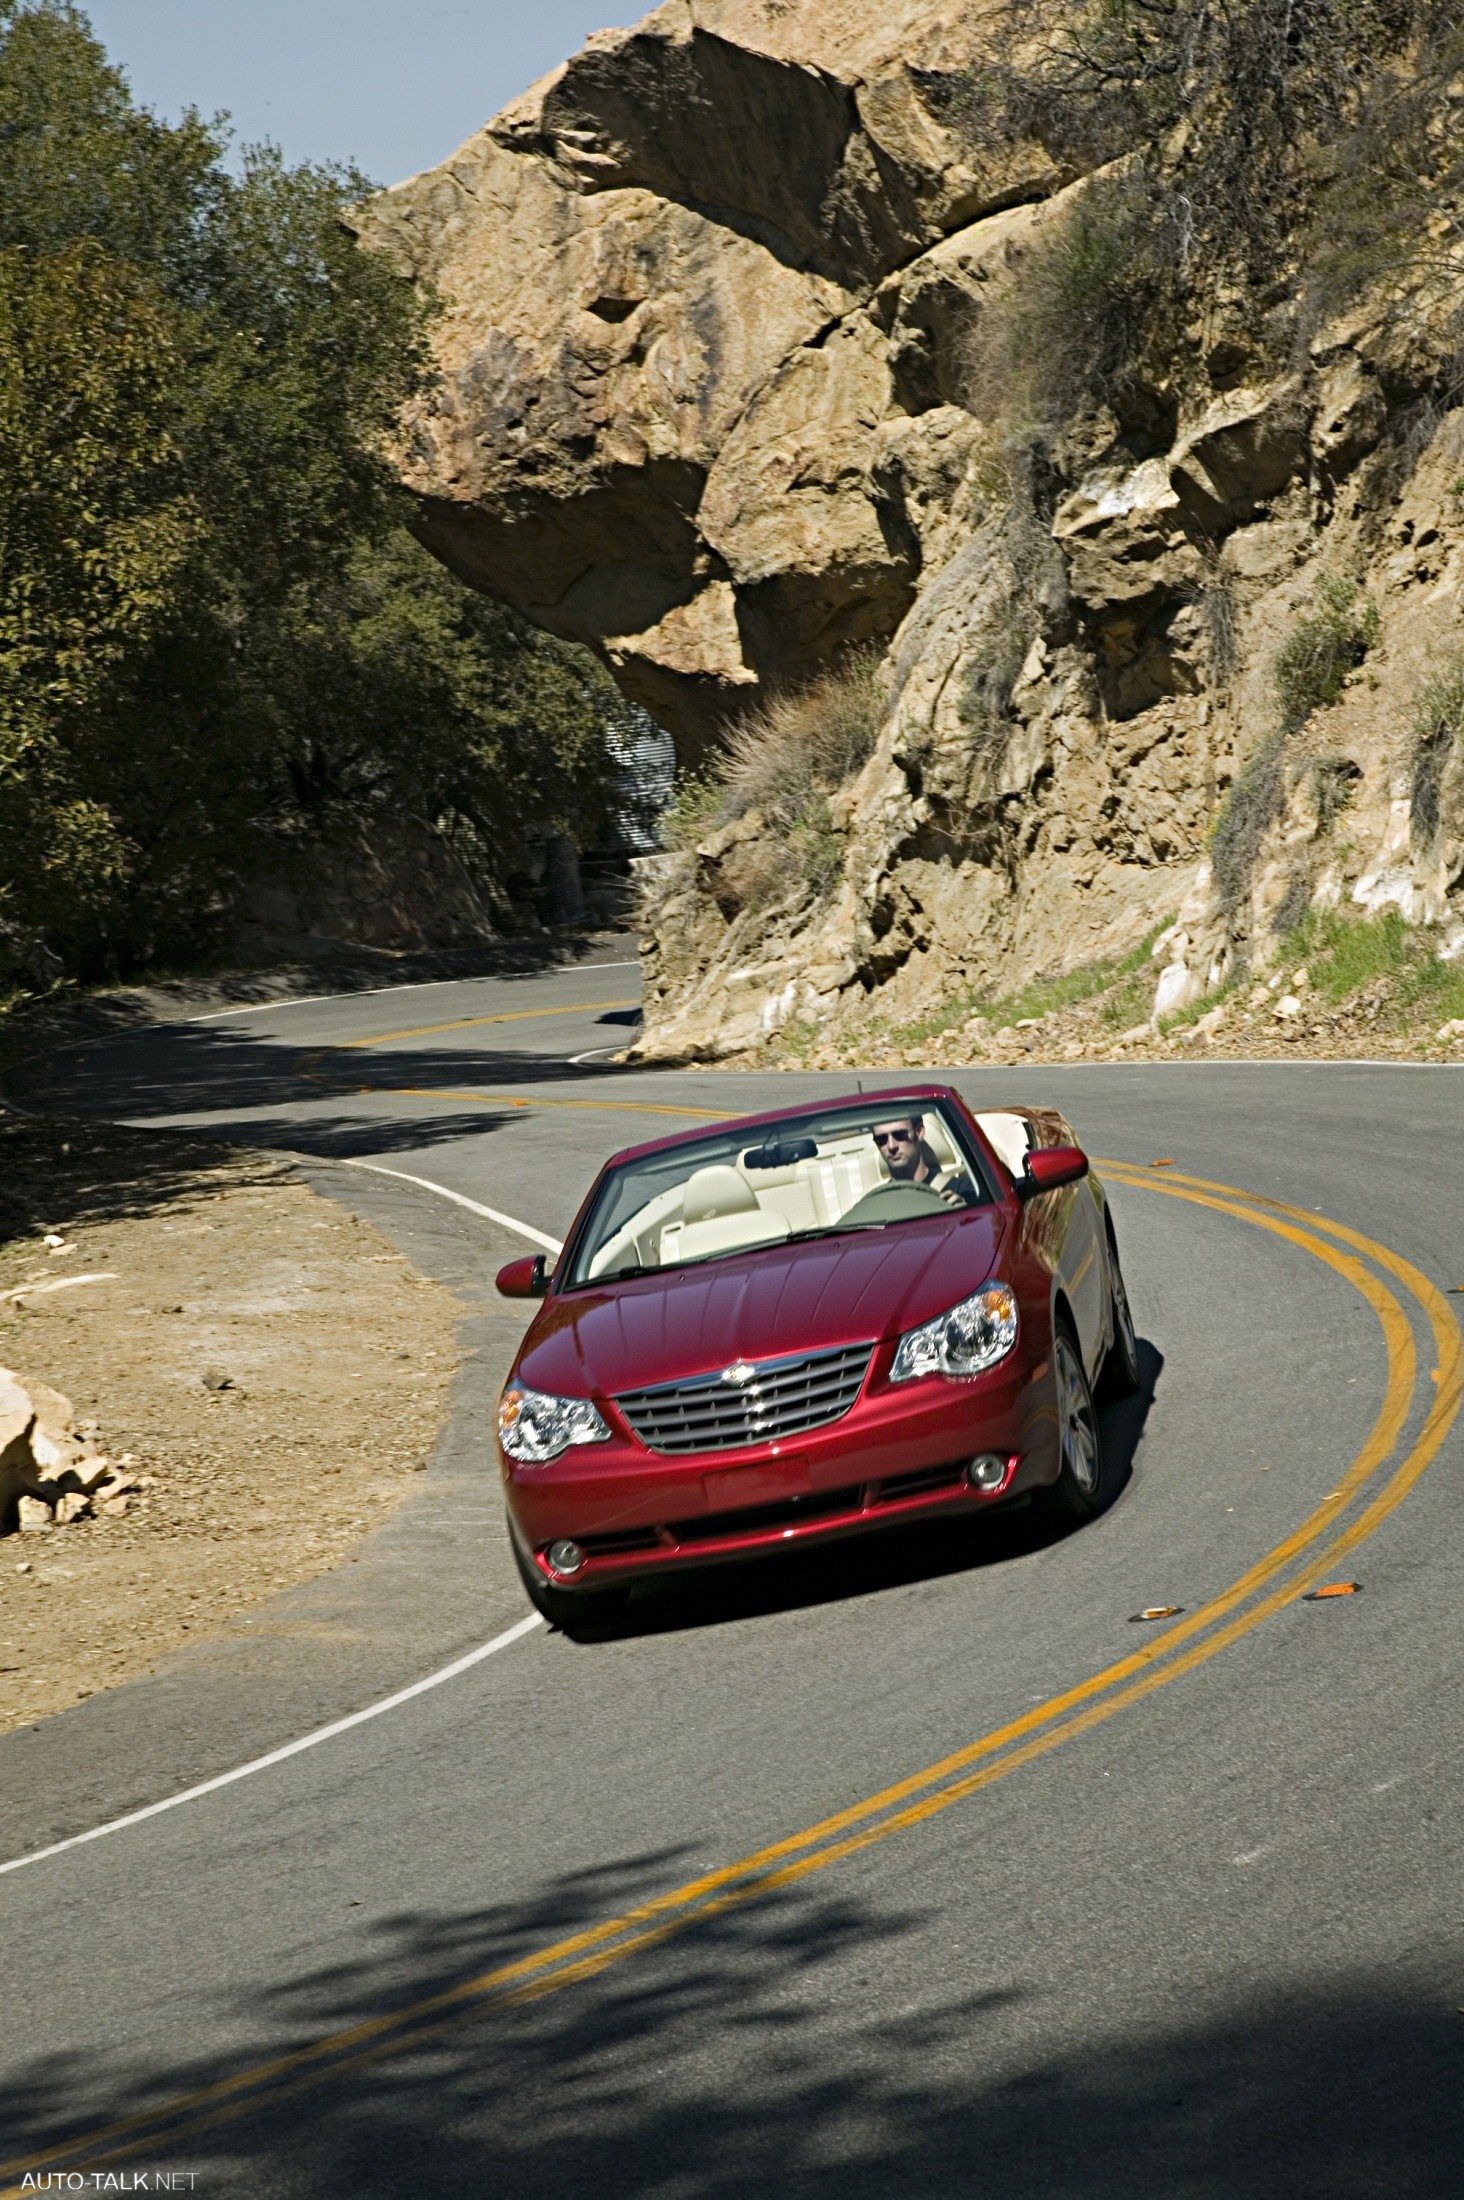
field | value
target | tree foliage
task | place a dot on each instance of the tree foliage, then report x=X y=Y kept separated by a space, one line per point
x=1260 y=164
x=215 y=629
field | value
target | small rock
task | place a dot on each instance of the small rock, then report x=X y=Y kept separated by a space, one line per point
x=214 y=1378
x=116 y=1506
x=24 y=1567
x=71 y=1505
x=1134 y=1034
x=1287 y=1007
x=1300 y=979
x=35 y=1516
x=1207 y=1025
x=1028 y=1023
x=1007 y=1036
x=1452 y=1031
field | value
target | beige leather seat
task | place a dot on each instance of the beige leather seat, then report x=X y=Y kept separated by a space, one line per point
x=1010 y=1135
x=720 y=1214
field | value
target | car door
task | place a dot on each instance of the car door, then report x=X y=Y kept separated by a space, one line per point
x=1072 y=1233
x=1081 y=1268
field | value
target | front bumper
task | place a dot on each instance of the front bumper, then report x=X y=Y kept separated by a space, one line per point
x=899 y=1453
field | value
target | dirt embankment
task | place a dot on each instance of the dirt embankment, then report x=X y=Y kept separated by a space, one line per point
x=271 y=1371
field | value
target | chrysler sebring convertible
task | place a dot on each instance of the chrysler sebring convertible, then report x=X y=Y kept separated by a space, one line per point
x=805 y=1325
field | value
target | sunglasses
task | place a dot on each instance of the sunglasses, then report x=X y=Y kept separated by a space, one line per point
x=894 y=1138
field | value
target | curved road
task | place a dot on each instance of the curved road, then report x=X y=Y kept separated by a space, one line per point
x=914 y=1869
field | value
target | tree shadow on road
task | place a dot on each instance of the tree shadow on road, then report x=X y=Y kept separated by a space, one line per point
x=810 y=2045
x=179 y=1070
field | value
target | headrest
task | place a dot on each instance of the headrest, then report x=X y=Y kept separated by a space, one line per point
x=1010 y=1135
x=714 y=1192
x=938 y=1140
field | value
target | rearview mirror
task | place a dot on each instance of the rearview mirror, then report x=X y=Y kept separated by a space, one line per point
x=780 y=1153
x=1049 y=1167
x=524 y=1279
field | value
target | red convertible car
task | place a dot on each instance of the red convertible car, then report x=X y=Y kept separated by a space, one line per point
x=804 y=1325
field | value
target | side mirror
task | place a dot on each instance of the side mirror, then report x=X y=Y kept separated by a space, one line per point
x=528 y=1278
x=1049 y=1167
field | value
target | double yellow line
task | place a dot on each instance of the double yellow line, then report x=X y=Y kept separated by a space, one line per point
x=309 y=1065
x=1285 y=1573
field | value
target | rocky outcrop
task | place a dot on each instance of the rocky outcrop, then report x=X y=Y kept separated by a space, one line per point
x=666 y=419
x=712 y=399
x=978 y=855
x=49 y=1474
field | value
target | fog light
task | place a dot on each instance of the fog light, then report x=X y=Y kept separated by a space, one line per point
x=986 y=1472
x=565 y=1558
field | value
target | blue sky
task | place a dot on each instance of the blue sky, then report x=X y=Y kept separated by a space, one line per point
x=391 y=84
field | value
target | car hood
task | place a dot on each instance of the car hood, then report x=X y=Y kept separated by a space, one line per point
x=868 y=1285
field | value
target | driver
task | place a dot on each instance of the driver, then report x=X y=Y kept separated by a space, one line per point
x=911 y=1160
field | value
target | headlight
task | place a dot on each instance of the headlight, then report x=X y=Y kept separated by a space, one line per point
x=971 y=1337
x=534 y=1427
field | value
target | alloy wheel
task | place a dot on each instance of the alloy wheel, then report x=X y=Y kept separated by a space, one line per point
x=1079 y=1430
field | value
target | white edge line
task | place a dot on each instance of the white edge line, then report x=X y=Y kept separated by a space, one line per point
x=373 y=1711
x=459 y=1199
x=291 y=1749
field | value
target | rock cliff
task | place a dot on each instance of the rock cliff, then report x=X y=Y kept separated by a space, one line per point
x=776 y=330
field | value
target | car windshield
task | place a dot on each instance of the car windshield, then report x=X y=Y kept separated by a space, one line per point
x=869 y=1167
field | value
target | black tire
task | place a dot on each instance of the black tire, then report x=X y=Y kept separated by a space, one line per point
x=1119 y=1376
x=572 y=1611
x=1078 y=1491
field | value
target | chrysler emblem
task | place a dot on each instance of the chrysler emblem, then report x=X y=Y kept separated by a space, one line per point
x=739 y=1372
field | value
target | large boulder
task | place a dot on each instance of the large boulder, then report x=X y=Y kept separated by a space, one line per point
x=660 y=425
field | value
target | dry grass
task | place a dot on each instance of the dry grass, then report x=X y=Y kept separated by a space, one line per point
x=784 y=761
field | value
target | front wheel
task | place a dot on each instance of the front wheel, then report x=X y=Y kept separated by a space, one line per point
x=1119 y=1377
x=1077 y=1492
x=570 y=1610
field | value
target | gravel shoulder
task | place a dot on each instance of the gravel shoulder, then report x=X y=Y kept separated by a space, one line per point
x=273 y=1371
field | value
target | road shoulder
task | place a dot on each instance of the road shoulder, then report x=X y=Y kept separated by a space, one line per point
x=435 y=1579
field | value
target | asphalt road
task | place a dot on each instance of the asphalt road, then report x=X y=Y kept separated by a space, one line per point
x=1191 y=1926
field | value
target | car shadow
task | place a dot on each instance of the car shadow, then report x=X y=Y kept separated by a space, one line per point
x=869 y=1564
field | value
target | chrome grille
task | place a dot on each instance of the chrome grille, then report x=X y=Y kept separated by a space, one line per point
x=748 y=1404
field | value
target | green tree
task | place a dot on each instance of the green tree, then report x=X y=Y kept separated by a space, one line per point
x=96 y=526
x=213 y=626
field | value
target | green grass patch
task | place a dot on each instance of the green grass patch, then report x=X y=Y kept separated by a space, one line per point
x=1343 y=954
x=1128 y=978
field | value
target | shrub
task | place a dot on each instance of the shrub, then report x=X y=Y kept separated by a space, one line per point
x=1438 y=721
x=801 y=744
x=1324 y=646
x=1217 y=604
x=695 y=809
x=1071 y=323
x=784 y=760
x=1251 y=807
